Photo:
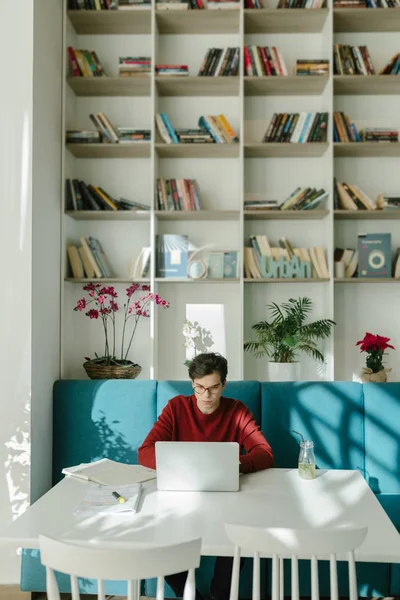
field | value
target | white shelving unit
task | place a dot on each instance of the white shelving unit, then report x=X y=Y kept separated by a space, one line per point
x=225 y=173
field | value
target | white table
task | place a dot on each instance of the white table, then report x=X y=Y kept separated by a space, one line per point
x=277 y=497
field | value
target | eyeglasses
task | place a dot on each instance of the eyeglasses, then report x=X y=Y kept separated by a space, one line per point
x=213 y=389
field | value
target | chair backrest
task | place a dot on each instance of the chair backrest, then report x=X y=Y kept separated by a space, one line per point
x=282 y=542
x=116 y=561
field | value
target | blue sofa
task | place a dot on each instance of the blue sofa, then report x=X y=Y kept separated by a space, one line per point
x=353 y=426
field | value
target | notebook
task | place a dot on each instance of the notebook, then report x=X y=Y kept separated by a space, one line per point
x=100 y=499
x=110 y=472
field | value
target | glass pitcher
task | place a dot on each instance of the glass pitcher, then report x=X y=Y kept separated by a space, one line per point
x=306 y=464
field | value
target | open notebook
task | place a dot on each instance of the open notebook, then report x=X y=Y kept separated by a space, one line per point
x=100 y=499
x=110 y=472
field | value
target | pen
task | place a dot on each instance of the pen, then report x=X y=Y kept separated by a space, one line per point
x=119 y=498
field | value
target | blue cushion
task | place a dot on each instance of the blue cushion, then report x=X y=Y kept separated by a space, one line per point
x=382 y=439
x=247 y=392
x=100 y=419
x=328 y=413
x=33 y=578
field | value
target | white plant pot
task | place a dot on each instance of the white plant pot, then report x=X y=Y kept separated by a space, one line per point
x=284 y=371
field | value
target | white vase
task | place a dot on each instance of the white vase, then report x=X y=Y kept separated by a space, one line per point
x=284 y=371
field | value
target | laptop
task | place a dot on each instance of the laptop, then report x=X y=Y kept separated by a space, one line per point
x=197 y=466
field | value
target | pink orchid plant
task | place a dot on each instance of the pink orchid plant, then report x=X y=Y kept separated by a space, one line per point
x=104 y=306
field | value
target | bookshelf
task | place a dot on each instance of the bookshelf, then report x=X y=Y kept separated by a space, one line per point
x=226 y=173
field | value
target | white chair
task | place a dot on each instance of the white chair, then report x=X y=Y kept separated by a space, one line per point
x=280 y=543
x=127 y=561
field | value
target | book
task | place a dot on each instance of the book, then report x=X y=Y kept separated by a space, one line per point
x=111 y=472
x=102 y=500
x=172 y=255
x=375 y=257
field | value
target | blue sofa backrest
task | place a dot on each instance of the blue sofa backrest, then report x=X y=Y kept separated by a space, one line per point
x=330 y=414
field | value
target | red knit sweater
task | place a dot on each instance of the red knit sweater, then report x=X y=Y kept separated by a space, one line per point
x=182 y=421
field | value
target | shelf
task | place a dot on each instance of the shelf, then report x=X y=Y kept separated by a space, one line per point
x=206 y=150
x=366 y=149
x=198 y=21
x=105 y=280
x=366 y=215
x=197 y=86
x=286 y=150
x=367 y=280
x=360 y=85
x=197 y=215
x=99 y=22
x=110 y=86
x=293 y=85
x=188 y=280
x=284 y=20
x=108 y=215
x=125 y=150
x=285 y=215
x=289 y=280
x=366 y=19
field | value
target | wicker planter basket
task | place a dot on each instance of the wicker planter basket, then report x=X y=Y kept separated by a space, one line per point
x=368 y=375
x=99 y=371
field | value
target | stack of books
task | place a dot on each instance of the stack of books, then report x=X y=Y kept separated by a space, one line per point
x=172 y=5
x=212 y=129
x=261 y=61
x=223 y=4
x=253 y=202
x=82 y=196
x=260 y=251
x=253 y=4
x=131 y=135
x=88 y=260
x=352 y=60
x=85 y=63
x=218 y=62
x=174 y=70
x=312 y=66
x=297 y=128
x=379 y=134
x=304 y=198
x=134 y=4
x=177 y=194
x=82 y=136
x=133 y=66
x=393 y=66
x=343 y=129
x=351 y=197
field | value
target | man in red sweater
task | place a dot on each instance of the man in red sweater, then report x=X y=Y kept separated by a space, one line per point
x=207 y=416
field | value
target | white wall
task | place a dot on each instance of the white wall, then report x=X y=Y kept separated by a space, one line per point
x=29 y=241
x=16 y=258
x=46 y=186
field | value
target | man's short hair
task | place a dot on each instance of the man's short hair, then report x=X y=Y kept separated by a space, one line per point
x=207 y=364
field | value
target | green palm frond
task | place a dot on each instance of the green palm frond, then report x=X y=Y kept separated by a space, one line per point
x=287 y=334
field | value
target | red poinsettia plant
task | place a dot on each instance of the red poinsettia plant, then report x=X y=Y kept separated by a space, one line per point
x=374 y=346
x=104 y=306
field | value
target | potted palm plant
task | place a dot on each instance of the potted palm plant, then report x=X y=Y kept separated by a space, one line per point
x=286 y=336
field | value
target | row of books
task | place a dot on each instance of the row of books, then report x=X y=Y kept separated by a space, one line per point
x=259 y=252
x=261 y=61
x=92 y=4
x=82 y=196
x=178 y=194
x=132 y=66
x=351 y=197
x=85 y=63
x=88 y=259
x=352 y=60
x=212 y=129
x=220 y=63
x=393 y=66
x=140 y=264
x=301 y=4
x=297 y=128
x=371 y=258
x=198 y=4
x=343 y=129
